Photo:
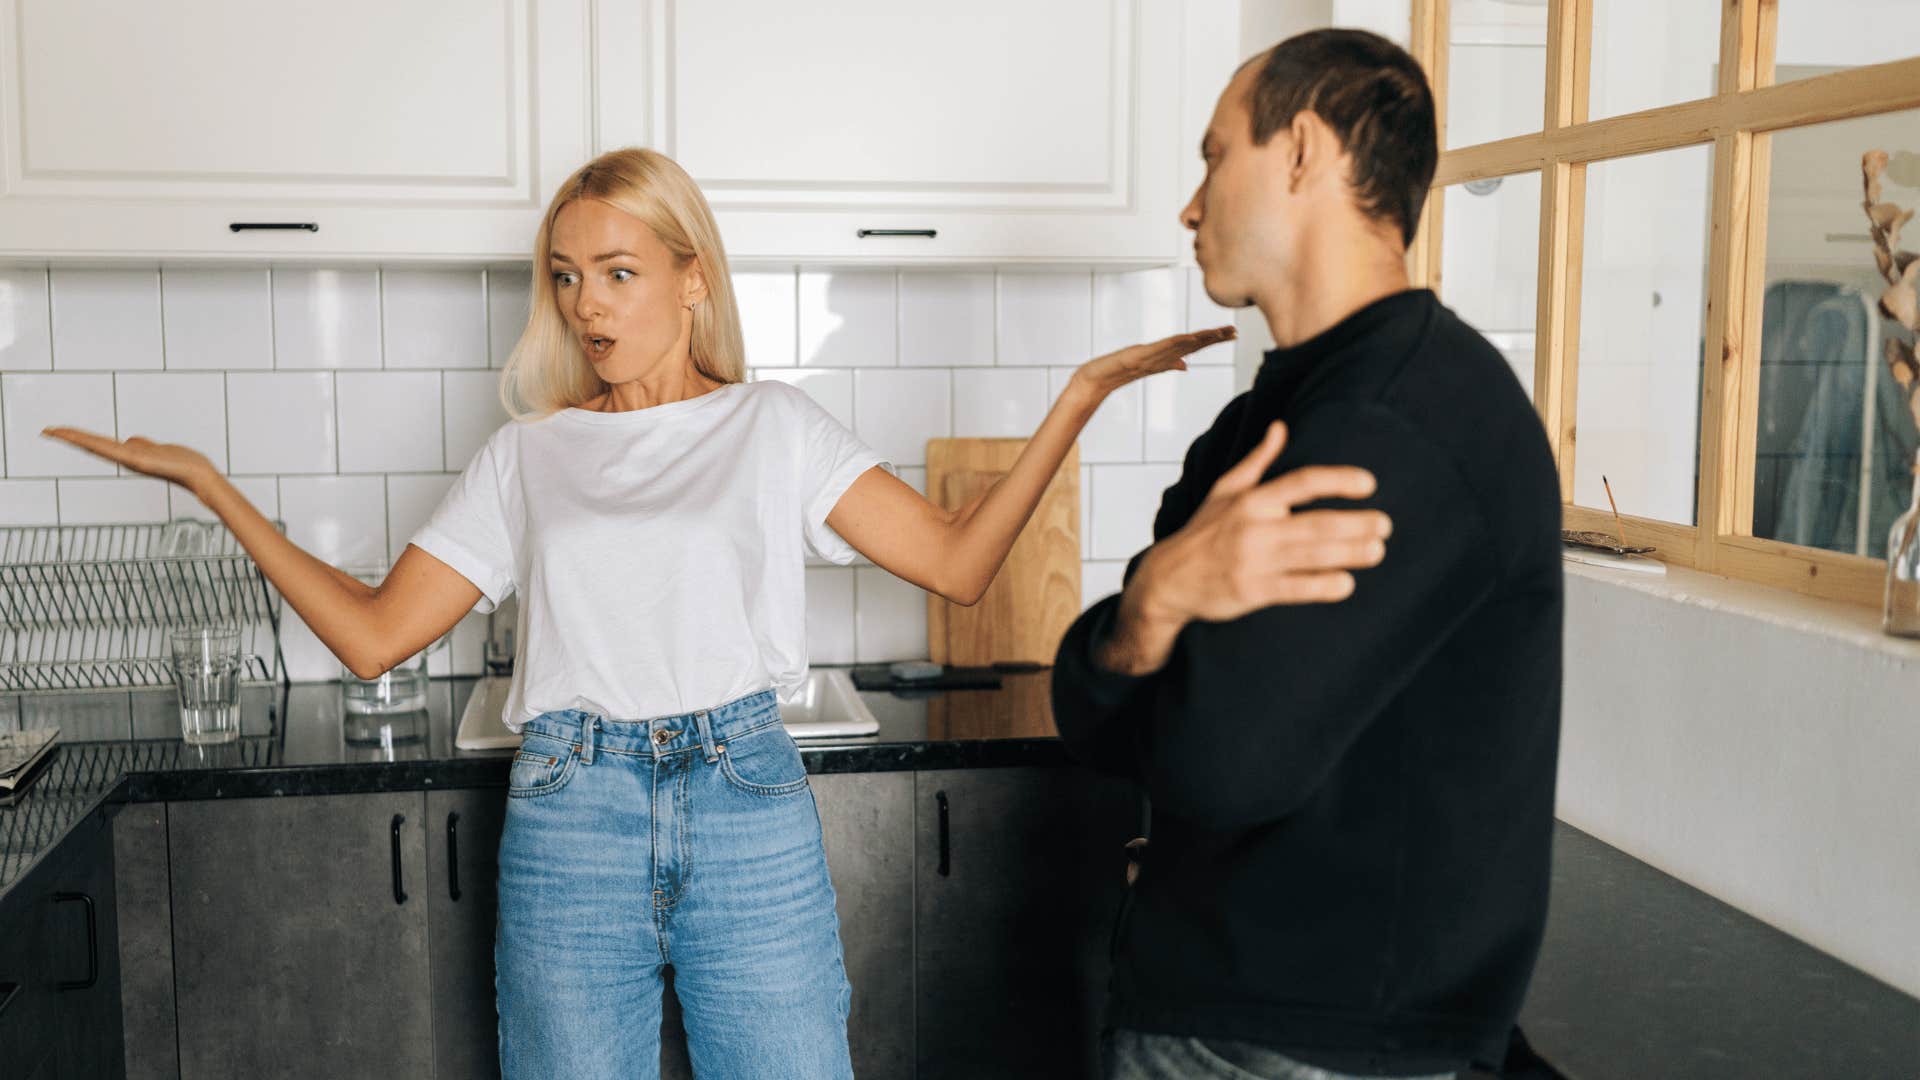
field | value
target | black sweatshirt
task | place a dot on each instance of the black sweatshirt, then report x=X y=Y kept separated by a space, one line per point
x=1352 y=803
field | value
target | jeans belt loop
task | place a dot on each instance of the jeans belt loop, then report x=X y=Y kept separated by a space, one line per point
x=706 y=736
x=588 y=725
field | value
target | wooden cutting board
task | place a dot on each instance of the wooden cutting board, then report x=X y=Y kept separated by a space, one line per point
x=1036 y=595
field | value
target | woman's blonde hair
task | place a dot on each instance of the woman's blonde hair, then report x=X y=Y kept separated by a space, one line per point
x=548 y=371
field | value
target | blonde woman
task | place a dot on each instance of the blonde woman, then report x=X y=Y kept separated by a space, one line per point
x=653 y=511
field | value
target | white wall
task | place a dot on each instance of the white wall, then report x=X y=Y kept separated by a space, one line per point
x=345 y=402
x=1760 y=746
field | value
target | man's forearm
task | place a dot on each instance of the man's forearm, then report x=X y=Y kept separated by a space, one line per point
x=1142 y=638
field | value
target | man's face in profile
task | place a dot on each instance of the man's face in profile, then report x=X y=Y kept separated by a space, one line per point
x=1242 y=212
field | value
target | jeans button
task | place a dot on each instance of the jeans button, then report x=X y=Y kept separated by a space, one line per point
x=662 y=737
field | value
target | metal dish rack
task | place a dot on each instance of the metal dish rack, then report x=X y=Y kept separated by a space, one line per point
x=87 y=607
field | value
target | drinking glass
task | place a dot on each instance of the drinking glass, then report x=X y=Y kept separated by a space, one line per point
x=207 y=670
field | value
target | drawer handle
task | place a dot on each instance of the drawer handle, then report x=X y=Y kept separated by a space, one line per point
x=946 y=862
x=928 y=233
x=399 y=894
x=93 y=944
x=286 y=226
x=8 y=991
x=453 y=856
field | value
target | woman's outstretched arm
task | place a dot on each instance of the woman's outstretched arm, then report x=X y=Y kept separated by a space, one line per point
x=956 y=553
x=370 y=629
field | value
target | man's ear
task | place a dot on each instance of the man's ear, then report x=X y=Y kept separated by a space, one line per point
x=1314 y=147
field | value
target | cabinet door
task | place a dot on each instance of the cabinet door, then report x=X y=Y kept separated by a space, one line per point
x=83 y=940
x=293 y=955
x=421 y=128
x=143 y=912
x=27 y=1038
x=463 y=849
x=1012 y=917
x=1011 y=129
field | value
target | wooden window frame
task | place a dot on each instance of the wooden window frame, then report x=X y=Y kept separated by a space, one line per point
x=1736 y=122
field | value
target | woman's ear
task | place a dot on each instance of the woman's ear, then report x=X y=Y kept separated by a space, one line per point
x=693 y=284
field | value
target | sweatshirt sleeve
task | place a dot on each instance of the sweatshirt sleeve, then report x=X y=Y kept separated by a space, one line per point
x=1248 y=716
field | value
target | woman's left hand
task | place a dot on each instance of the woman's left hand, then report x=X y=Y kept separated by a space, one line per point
x=1116 y=369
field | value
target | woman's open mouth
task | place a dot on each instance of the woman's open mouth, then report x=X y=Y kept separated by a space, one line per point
x=597 y=346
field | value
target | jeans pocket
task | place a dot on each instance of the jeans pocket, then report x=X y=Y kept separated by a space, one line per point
x=543 y=766
x=765 y=762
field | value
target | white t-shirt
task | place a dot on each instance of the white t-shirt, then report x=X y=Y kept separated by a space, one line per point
x=658 y=552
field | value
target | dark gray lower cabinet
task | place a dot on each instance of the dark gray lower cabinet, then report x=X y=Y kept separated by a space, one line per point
x=463 y=849
x=1019 y=875
x=59 y=970
x=300 y=936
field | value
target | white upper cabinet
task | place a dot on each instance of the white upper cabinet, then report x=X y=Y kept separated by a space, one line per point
x=399 y=130
x=356 y=128
x=1006 y=129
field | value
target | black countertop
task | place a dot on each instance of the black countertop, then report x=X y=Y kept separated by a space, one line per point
x=125 y=746
x=1640 y=976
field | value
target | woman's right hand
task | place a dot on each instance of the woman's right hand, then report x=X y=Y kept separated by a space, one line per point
x=182 y=465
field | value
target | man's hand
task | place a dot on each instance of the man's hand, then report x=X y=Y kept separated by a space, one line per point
x=1246 y=549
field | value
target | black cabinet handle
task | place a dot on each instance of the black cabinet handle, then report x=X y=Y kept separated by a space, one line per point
x=8 y=991
x=946 y=860
x=93 y=943
x=399 y=894
x=273 y=226
x=453 y=855
x=928 y=233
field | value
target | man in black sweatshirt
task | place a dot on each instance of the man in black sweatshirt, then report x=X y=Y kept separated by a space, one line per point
x=1351 y=773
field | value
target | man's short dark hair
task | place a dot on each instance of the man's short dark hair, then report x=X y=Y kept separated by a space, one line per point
x=1375 y=98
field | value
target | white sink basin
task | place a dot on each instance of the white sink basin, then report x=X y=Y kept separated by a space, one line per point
x=826 y=707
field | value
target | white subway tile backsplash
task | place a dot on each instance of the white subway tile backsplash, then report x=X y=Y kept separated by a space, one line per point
x=1114 y=433
x=111 y=500
x=896 y=412
x=509 y=299
x=847 y=318
x=390 y=421
x=946 y=319
x=338 y=519
x=411 y=500
x=1099 y=580
x=33 y=401
x=106 y=320
x=433 y=318
x=189 y=408
x=1131 y=307
x=473 y=413
x=999 y=402
x=769 y=316
x=890 y=617
x=262 y=491
x=1045 y=318
x=325 y=318
x=281 y=422
x=1204 y=314
x=1182 y=404
x=830 y=611
x=29 y=502
x=26 y=340
x=1125 y=500
x=217 y=320
x=830 y=388
x=938 y=353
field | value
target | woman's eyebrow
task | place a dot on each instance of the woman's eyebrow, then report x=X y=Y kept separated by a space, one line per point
x=602 y=257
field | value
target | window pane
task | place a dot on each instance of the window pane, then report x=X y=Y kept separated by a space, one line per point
x=1490 y=262
x=1496 y=71
x=1816 y=38
x=1643 y=299
x=1832 y=421
x=1648 y=53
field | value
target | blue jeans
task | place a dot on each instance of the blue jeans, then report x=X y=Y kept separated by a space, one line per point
x=689 y=840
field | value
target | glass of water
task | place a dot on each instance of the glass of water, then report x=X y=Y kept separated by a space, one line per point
x=207 y=670
x=400 y=689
